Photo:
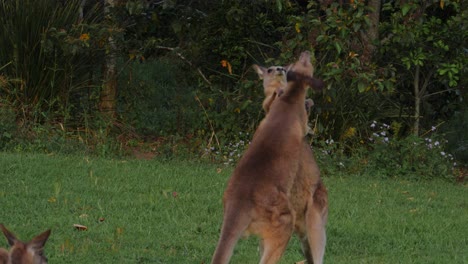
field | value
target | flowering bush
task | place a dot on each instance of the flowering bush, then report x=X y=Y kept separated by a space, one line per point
x=410 y=157
x=230 y=152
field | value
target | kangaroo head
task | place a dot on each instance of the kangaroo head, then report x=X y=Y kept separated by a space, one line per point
x=303 y=65
x=31 y=252
x=271 y=76
x=303 y=71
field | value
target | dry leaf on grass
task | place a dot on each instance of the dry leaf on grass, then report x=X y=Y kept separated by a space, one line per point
x=80 y=227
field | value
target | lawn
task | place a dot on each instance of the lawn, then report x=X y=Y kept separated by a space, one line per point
x=158 y=211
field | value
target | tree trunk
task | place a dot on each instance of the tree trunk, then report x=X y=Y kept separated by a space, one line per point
x=417 y=101
x=372 y=33
x=107 y=104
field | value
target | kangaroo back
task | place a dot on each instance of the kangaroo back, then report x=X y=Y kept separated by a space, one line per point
x=20 y=252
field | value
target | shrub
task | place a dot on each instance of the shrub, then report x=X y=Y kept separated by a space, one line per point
x=456 y=133
x=159 y=101
x=409 y=157
x=7 y=124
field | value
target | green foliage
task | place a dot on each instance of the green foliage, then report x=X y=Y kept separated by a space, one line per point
x=159 y=101
x=190 y=74
x=7 y=124
x=356 y=86
x=411 y=158
x=426 y=37
x=386 y=155
x=455 y=131
x=38 y=69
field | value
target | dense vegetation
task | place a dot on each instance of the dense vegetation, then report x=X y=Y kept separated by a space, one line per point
x=174 y=76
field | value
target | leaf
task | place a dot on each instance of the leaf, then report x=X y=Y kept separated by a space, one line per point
x=80 y=227
x=298 y=27
x=442 y=4
x=405 y=8
x=245 y=104
x=279 y=5
x=361 y=87
x=338 y=47
x=226 y=64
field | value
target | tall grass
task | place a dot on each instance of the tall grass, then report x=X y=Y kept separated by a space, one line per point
x=170 y=212
x=39 y=69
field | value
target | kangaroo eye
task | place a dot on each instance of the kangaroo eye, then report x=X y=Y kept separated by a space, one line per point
x=270 y=70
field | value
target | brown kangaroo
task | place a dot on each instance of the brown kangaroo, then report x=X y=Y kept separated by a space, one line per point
x=31 y=252
x=273 y=77
x=258 y=197
x=309 y=195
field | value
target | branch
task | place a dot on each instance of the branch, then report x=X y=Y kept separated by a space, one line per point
x=439 y=92
x=213 y=133
x=186 y=60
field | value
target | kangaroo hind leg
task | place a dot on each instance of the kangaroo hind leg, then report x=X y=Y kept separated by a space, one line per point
x=316 y=218
x=234 y=226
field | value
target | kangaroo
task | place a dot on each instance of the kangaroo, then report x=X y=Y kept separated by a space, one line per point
x=31 y=252
x=309 y=195
x=273 y=77
x=258 y=198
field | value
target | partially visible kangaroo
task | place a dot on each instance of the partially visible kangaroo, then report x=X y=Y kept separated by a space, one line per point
x=31 y=252
x=274 y=80
x=273 y=77
x=258 y=199
x=308 y=195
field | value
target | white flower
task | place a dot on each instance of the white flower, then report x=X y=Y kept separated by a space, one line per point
x=433 y=128
x=385 y=139
x=372 y=125
x=436 y=143
x=375 y=134
x=442 y=153
x=383 y=133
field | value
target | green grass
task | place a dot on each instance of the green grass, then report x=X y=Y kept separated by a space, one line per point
x=170 y=212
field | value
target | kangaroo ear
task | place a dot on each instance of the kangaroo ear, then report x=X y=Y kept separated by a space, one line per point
x=11 y=238
x=259 y=70
x=305 y=58
x=37 y=243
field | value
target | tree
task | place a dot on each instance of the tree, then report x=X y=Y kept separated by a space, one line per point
x=425 y=41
